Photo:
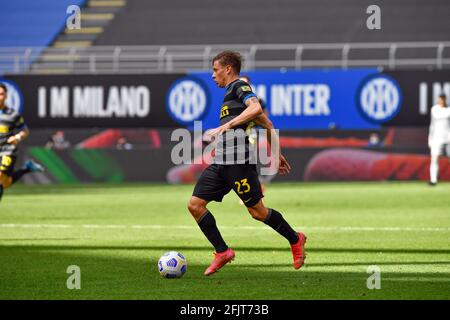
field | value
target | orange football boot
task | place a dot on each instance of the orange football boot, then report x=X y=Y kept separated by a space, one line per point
x=298 y=251
x=220 y=259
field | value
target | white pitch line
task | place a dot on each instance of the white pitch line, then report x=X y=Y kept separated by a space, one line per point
x=122 y=226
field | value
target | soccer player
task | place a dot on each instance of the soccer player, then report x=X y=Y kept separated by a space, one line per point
x=439 y=135
x=261 y=101
x=12 y=131
x=253 y=138
x=240 y=106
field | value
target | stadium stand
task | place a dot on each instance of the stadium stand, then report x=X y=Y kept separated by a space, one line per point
x=28 y=23
x=95 y=17
x=133 y=36
x=32 y=23
x=283 y=21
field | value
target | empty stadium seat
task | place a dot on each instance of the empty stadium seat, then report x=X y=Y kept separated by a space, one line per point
x=284 y=21
x=31 y=23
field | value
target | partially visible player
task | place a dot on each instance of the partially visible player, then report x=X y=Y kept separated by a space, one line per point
x=439 y=135
x=12 y=131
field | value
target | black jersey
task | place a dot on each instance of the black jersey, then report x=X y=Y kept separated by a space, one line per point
x=11 y=122
x=233 y=147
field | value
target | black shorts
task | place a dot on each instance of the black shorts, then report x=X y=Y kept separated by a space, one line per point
x=217 y=180
x=7 y=164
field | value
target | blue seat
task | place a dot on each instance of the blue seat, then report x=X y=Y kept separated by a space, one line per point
x=31 y=23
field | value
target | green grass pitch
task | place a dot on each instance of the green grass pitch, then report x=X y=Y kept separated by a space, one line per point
x=116 y=233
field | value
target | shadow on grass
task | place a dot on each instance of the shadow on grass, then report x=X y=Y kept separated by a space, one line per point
x=236 y=248
x=37 y=239
x=39 y=272
x=380 y=263
x=349 y=264
x=23 y=189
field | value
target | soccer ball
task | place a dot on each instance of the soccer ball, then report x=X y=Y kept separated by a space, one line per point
x=172 y=264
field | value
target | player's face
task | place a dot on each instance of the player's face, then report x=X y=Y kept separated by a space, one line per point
x=441 y=102
x=2 y=96
x=220 y=74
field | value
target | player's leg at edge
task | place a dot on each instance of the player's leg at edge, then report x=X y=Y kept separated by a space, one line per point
x=7 y=181
x=207 y=223
x=275 y=220
x=434 y=164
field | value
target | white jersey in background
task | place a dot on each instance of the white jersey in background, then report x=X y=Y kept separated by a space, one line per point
x=438 y=136
x=439 y=133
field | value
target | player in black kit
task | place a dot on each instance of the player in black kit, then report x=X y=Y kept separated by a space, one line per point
x=12 y=131
x=232 y=169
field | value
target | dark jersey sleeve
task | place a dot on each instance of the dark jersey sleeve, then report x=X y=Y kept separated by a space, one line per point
x=20 y=123
x=244 y=91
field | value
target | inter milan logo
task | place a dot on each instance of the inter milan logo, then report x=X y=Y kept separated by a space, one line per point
x=379 y=99
x=14 y=99
x=187 y=101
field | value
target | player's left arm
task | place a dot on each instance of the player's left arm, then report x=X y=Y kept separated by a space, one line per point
x=22 y=133
x=273 y=141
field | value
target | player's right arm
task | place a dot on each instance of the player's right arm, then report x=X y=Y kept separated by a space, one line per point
x=252 y=111
x=243 y=93
x=22 y=133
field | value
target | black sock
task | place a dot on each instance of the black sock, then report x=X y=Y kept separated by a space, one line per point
x=207 y=224
x=276 y=221
x=18 y=174
x=1 y=192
